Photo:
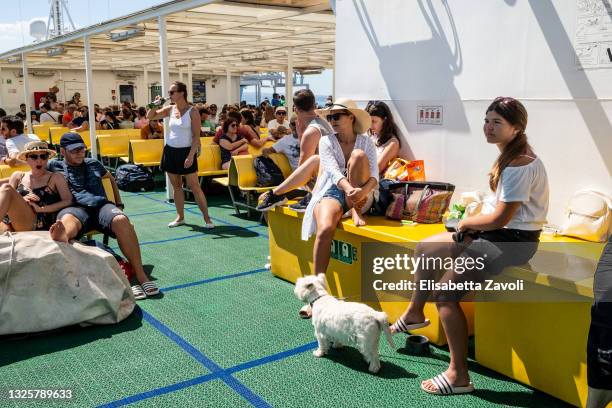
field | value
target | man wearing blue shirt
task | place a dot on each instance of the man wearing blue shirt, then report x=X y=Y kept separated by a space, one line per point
x=91 y=209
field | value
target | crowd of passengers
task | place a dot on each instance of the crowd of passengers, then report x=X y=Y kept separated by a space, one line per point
x=338 y=154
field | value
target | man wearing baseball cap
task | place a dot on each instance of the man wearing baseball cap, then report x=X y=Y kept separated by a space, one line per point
x=91 y=209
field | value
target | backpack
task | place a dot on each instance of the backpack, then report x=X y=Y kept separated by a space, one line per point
x=133 y=178
x=268 y=173
x=588 y=216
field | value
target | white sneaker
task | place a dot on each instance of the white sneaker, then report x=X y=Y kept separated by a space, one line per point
x=174 y=224
x=209 y=225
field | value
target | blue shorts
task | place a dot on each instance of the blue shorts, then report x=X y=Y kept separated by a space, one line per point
x=337 y=194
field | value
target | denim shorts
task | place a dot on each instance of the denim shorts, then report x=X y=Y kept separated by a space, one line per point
x=337 y=194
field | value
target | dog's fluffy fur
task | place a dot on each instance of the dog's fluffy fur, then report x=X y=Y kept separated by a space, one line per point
x=343 y=323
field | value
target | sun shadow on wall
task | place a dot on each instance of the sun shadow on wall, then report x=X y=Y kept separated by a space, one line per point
x=425 y=68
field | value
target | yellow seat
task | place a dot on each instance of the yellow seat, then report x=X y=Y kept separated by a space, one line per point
x=256 y=151
x=6 y=171
x=206 y=140
x=132 y=134
x=209 y=162
x=147 y=152
x=110 y=196
x=55 y=133
x=115 y=147
x=42 y=131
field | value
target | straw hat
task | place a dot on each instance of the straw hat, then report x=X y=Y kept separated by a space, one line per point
x=362 y=118
x=35 y=147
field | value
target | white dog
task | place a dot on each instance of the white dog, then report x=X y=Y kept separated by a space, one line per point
x=343 y=323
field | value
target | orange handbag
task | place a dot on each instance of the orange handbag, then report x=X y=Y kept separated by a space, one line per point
x=404 y=170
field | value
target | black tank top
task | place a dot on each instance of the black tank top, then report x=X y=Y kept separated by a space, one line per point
x=47 y=197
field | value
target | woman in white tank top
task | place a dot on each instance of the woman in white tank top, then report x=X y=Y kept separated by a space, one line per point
x=180 y=151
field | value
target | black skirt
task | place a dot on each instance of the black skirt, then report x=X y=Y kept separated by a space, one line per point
x=173 y=160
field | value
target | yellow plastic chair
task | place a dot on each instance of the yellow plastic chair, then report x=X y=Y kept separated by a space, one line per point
x=147 y=152
x=114 y=147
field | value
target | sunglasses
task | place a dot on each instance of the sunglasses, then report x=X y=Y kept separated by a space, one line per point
x=336 y=116
x=233 y=125
x=172 y=92
x=42 y=156
x=281 y=113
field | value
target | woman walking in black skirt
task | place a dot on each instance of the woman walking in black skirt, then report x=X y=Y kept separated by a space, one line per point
x=179 y=158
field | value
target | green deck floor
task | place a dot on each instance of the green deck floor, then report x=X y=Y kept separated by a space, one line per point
x=229 y=342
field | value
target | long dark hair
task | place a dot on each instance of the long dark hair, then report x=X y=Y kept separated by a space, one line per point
x=228 y=122
x=181 y=87
x=249 y=119
x=389 y=128
x=516 y=115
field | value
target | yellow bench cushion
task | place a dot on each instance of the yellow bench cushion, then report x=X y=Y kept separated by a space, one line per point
x=113 y=145
x=146 y=152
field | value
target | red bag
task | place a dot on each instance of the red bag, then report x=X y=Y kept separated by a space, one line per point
x=127 y=268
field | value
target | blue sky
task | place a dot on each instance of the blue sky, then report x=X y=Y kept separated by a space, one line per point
x=15 y=20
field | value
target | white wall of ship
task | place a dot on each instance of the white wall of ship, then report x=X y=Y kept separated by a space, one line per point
x=456 y=56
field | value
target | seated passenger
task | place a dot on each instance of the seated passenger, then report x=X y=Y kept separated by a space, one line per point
x=519 y=180
x=142 y=120
x=127 y=119
x=69 y=115
x=231 y=143
x=81 y=120
x=384 y=134
x=288 y=145
x=244 y=131
x=30 y=200
x=152 y=130
x=280 y=119
x=92 y=210
x=15 y=140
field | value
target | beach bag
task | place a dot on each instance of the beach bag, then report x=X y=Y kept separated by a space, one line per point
x=268 y=173
x=46 y=285
x=588 y=216
x=421 y=202
x=404 y=170
x=134 y=178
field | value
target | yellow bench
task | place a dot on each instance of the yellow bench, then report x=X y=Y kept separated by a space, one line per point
x=132 y=134
x=42 y=131
x=55 y=133
x=147 y=152
x=256 y=151
x=114 y=147
x=6 y=171
x=209 y=161
x=541 y=344
x=242 y=176
x=206 y=140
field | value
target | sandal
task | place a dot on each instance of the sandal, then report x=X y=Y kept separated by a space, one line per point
x=305 y=312
x=400 y=327
x=444 y=387
x=150 y=288
x=138 y=293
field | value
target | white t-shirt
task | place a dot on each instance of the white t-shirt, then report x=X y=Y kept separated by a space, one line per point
x=16 y=144
x=290 y=147
x=50 y=116
x=528 y=185
x=273 y=124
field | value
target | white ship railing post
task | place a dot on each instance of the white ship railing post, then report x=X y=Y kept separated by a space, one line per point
x=26 y=92
x=165 y=84
x=90 y=99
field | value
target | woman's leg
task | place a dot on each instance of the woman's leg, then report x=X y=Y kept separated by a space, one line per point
x=327 y=213
x=300 y=177
x=455 y=326
x=19 y=211
x=358 y=170
x=432 y=248
x=179 y=197
x=198 y=194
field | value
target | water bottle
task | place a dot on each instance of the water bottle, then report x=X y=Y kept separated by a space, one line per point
x=157 y=103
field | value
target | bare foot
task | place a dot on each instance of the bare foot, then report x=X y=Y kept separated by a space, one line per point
x=58 y=232
x=358 y=220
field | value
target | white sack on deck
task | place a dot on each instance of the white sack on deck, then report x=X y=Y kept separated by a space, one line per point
x=45 y=284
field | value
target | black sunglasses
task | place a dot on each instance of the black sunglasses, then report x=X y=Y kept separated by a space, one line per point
x=335 y=116
x=42 y=156
x=281 y=113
